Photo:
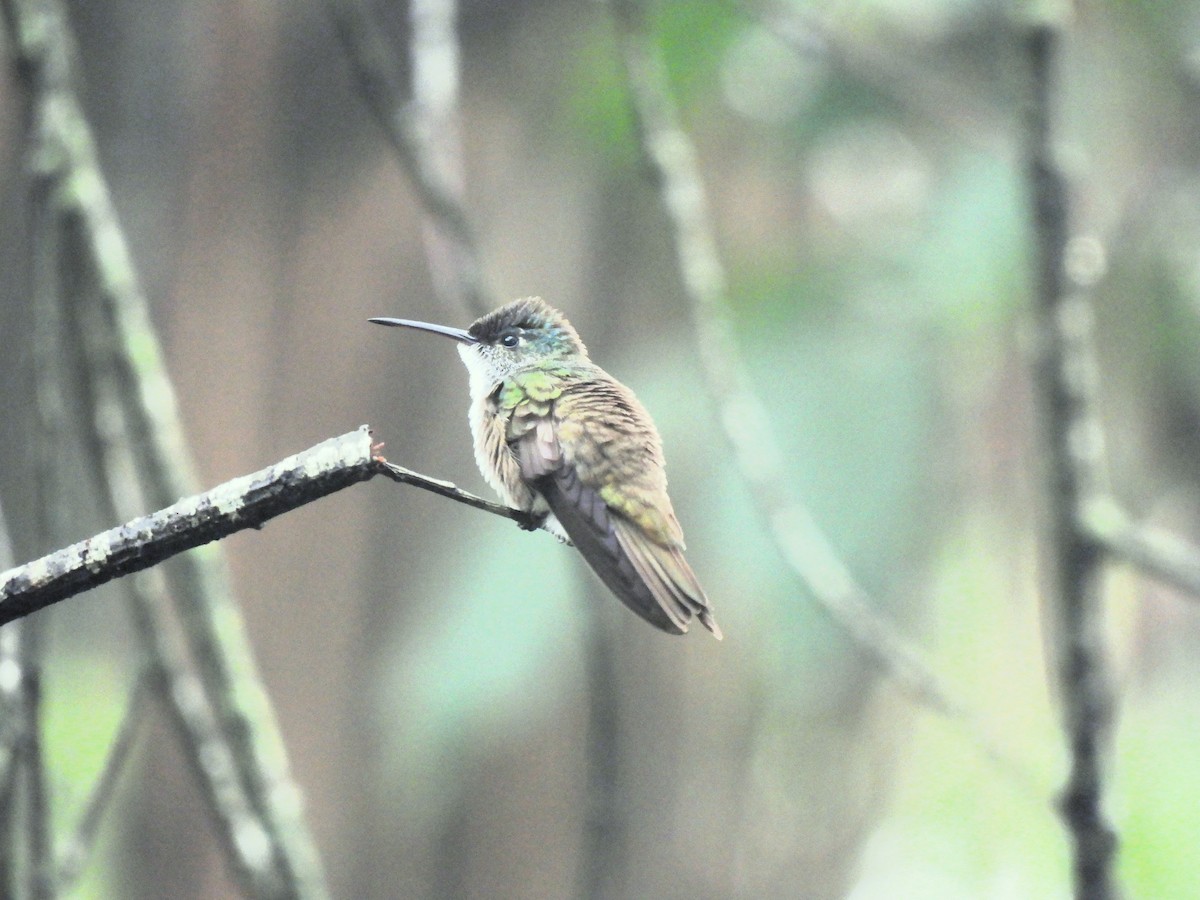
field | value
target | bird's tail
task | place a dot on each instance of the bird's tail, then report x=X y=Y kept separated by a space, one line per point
x=653 y=580
x=666 y=575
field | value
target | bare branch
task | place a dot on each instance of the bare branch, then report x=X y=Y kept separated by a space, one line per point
x=240 y=826
x=745 y=418
x=44 y=76
x=527 y=521
x=941 y=102
x=208 y=611
x=255 y=856
x=1065 y=379
x=32 y=766
x=1160 y=553
x=454 y=261
x=10 y=668
x=417 y=132
x=246 y=502
x=12 y=731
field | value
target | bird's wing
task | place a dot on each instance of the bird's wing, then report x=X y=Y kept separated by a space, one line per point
x=594 y=456
x=526 y=406
x=595 y=532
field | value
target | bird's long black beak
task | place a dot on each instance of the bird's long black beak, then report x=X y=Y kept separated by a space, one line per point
x=458 y=334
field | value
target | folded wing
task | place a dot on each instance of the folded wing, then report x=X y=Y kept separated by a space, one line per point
x=643 y=566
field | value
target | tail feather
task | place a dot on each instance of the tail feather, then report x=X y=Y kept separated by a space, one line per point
x=651 y=576
x=652 y=580
x=667 y=575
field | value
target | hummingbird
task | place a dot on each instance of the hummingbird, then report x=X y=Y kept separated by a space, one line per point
x=558 y=437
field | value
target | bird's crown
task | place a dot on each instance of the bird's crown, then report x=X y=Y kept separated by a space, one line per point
x=531 y=321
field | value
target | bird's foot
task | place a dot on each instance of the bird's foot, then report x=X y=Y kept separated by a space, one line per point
x=375 y=451
x=533 y=522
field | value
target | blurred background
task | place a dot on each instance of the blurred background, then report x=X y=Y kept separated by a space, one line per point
x=434 y=669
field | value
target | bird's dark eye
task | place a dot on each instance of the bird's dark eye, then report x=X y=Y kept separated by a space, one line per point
x=510 y=339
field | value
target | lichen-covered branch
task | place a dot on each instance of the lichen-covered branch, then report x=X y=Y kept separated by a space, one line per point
x=200 y=588
x=256 y=859
x=1066 y=381
x=246 y=502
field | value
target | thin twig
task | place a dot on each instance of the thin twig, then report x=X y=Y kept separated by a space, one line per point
x=1066 y=382
x=937 y=100
x=76 y=850
x=246 y=502
x=410 y=131
x=32 y=761
x=1160 y=553
x=672 y=160
x=449 y=489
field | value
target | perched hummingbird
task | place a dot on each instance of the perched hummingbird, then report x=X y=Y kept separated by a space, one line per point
x=559 y=437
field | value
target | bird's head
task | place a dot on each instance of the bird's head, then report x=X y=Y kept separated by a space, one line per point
x=523 y=334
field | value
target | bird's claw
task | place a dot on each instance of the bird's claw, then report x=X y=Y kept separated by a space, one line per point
x=533 y=521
